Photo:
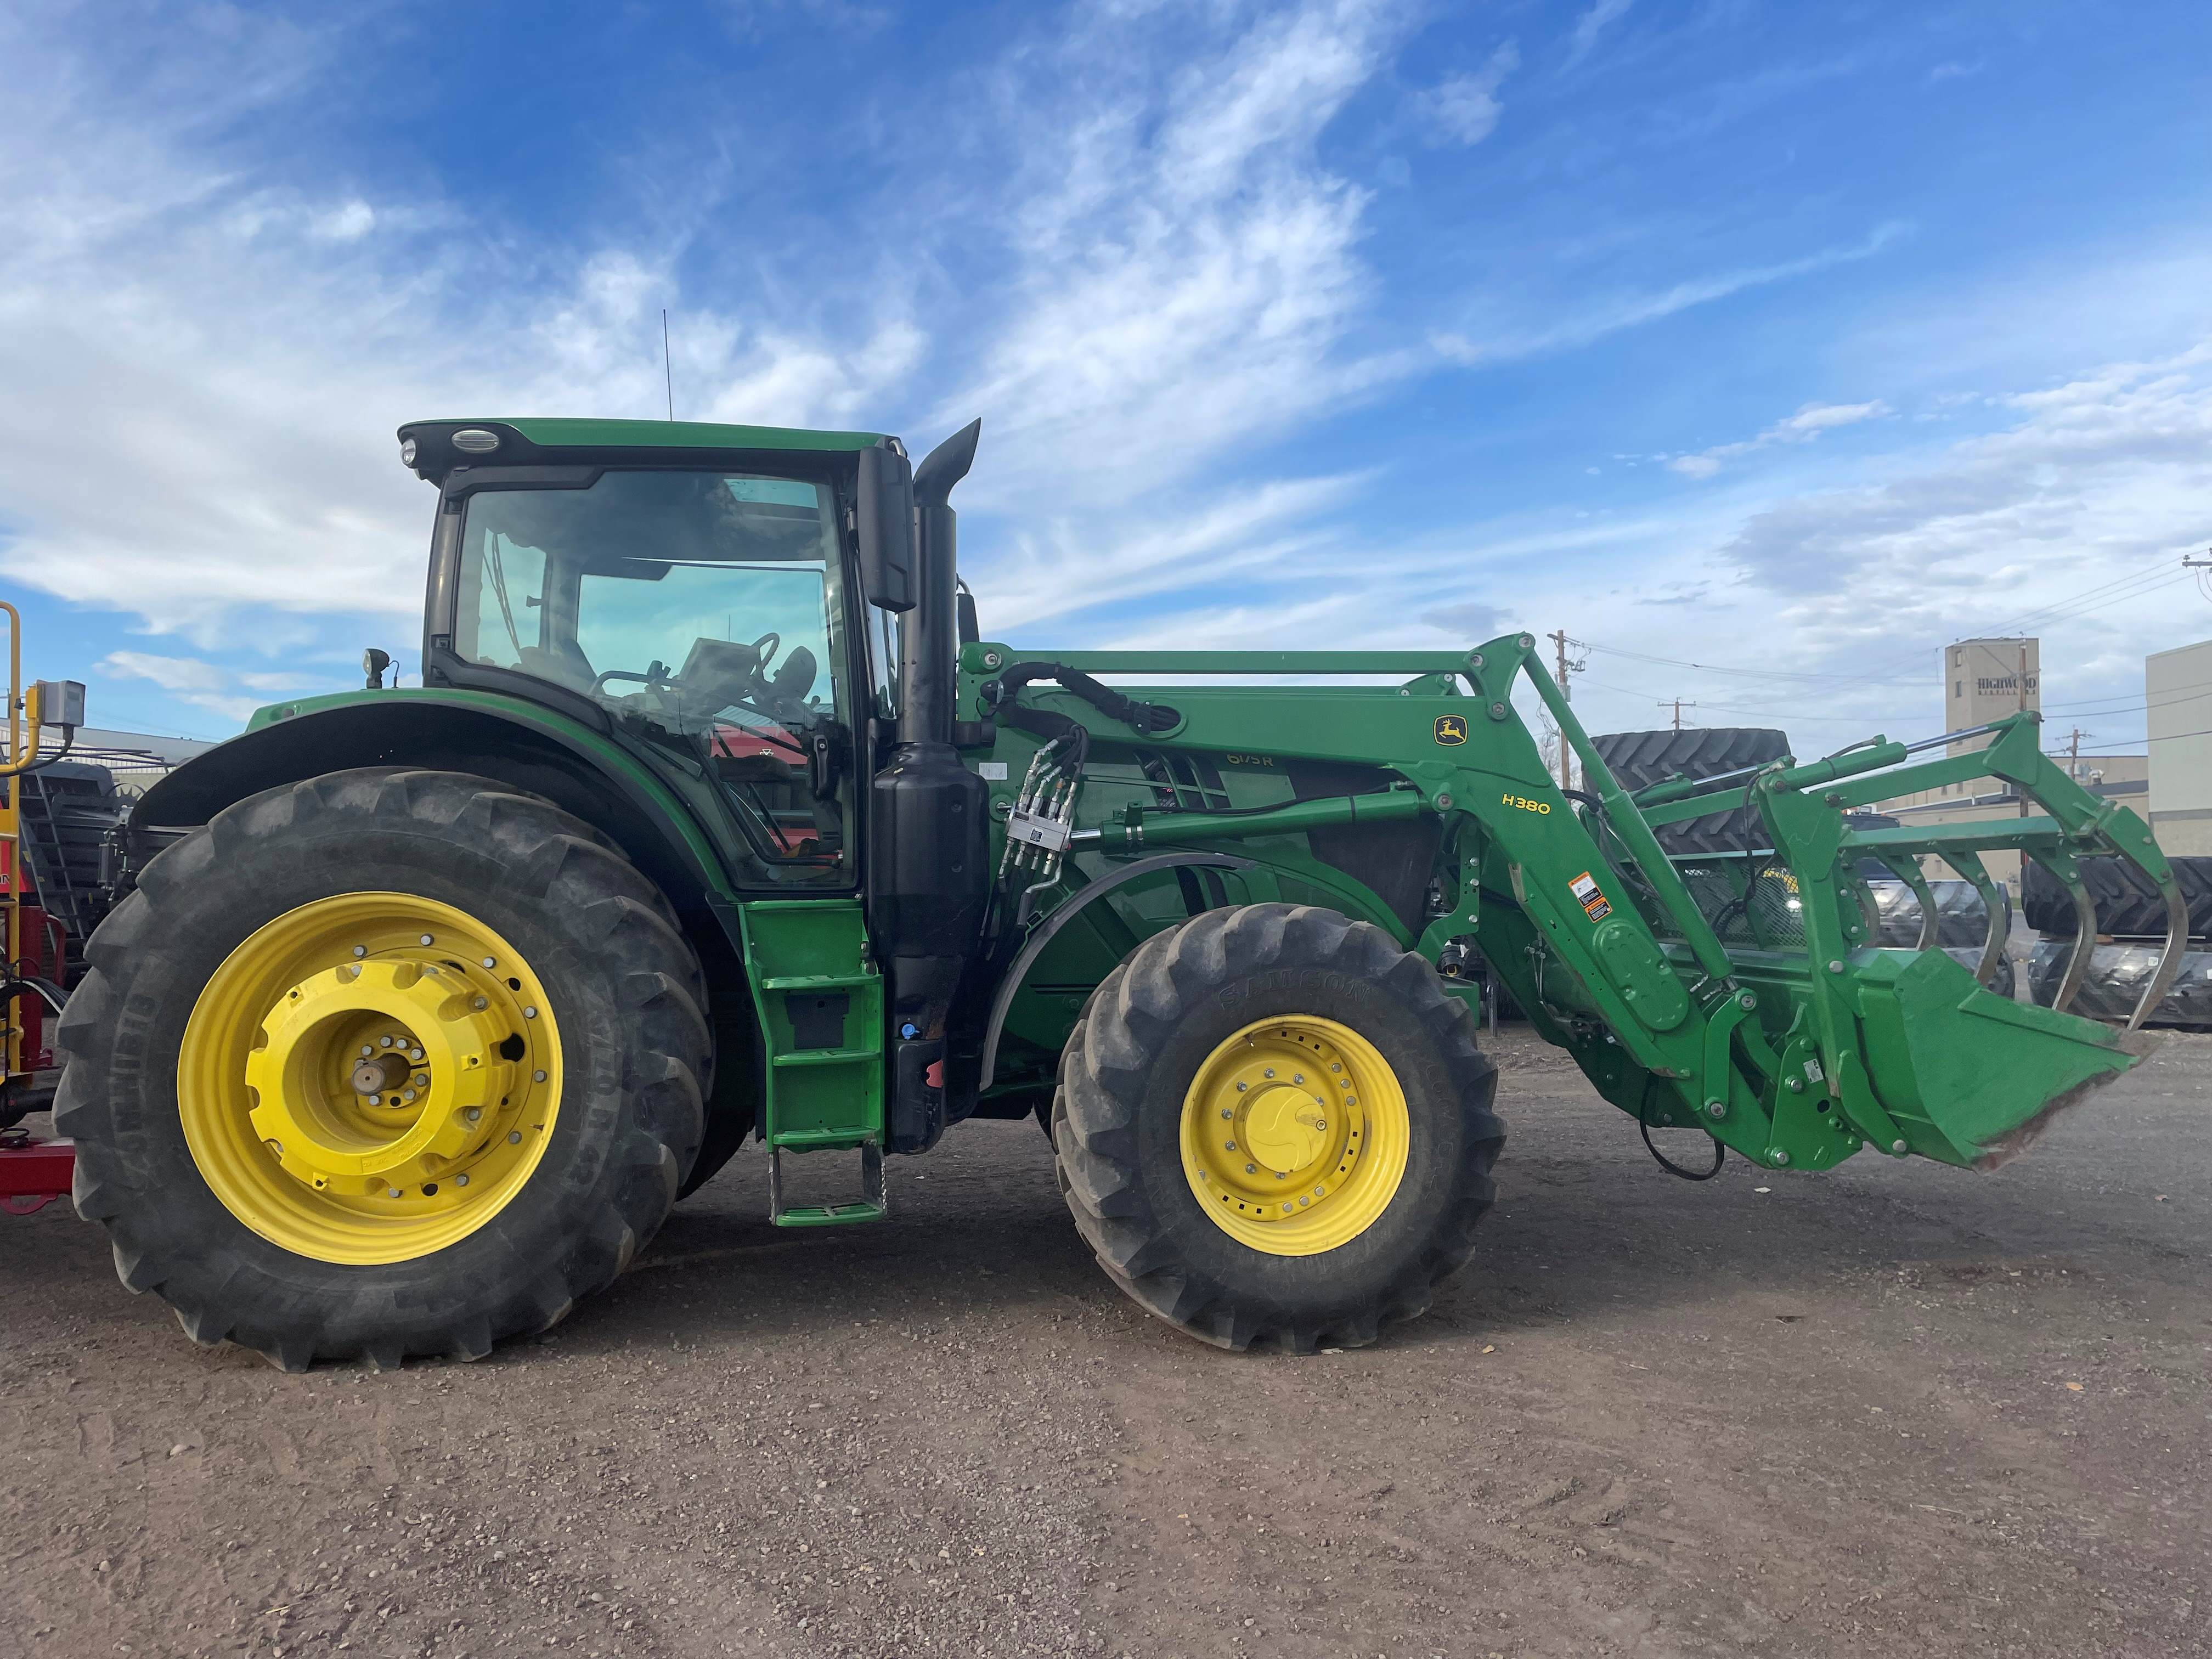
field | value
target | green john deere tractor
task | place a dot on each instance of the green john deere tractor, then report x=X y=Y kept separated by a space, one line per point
x=713 y=817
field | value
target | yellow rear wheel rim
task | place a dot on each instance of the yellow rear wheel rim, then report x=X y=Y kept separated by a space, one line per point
x=1296 y=1135
x=370 y=1078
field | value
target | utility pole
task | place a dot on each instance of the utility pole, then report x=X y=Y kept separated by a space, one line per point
x=2022 y=690
x=2074 y=752
x=1566 y=753
x=1678 y=705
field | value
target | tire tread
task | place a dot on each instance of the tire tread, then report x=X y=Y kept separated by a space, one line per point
x=1105 y=1071
x=667 y=1070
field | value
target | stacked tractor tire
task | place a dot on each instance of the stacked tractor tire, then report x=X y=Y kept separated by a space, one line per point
x=2130 y=915
x=1640 y=759
x=71 y=825
x=1962 y=924
x=2131 y=935
x=72 y=818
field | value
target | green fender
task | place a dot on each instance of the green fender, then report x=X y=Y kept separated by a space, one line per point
x=535 y=750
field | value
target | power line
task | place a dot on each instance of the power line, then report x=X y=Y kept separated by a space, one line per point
x=2127 y=705
x=1767 y=710
x=2104 y=593
x=2137 y=584
x=2167 y=736
x=1713 y=668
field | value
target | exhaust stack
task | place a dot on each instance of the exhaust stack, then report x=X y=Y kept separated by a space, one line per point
x=928 y=884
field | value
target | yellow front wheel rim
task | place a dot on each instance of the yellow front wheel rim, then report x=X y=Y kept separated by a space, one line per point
x=370 y=1078
x=1296 y=1135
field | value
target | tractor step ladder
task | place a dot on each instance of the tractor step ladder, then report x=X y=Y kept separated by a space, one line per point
x=820 y=1005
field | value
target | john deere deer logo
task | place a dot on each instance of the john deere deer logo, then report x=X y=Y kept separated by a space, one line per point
x=1451 y=730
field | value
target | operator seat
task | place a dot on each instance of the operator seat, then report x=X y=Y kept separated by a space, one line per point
x=562 y=662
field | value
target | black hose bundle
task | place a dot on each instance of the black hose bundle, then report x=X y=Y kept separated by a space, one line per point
x=1001 y=695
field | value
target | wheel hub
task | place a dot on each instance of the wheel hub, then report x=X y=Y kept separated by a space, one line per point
x=306 y=1081
x=370 y=1078
x=376 y=1074
x=1286 y=1128
x=1280 y=1135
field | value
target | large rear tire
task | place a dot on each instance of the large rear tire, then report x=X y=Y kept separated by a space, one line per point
x=383 y=1063
x=1274 y=1127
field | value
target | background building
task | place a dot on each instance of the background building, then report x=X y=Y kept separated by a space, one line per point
x=1985 y=680
x=2178 y=687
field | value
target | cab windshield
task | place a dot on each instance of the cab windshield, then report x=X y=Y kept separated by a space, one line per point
x=703 y=605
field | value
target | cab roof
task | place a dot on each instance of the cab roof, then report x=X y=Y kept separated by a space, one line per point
x=546 y=439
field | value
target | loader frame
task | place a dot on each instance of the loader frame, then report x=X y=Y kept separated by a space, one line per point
x=1794 y=1053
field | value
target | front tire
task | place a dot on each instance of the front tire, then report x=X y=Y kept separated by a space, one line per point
x=383 y=1063
x=1274 y=1127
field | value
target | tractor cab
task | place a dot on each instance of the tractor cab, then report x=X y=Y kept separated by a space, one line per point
x=765 y=619
x=700 y=593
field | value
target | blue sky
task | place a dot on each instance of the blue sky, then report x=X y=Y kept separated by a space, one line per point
x=1786 y=341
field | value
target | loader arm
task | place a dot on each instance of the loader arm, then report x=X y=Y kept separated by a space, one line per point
x=1743 y=994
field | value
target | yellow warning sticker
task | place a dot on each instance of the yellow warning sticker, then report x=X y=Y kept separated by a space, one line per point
x=1590 y=896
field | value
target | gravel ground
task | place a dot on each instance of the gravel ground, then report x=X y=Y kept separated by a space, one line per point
x=1894 y=1409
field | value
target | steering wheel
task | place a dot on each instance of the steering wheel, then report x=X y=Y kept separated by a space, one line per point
x=765 y=647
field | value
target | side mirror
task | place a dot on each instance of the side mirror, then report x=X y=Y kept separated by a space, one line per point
x=885 y=522
x=972 y=631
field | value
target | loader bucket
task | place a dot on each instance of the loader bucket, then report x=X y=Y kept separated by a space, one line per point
x=1968 y=1077
x=1913 y=1054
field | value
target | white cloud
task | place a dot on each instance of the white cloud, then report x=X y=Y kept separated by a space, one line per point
x=1825 y=608
x=1053 y=566
x=205 y=368
x=2101 y=472
x=205 y=684
x=1806 y=425
x=170 y=673
x=1464 y=109
x=1591 y=24
x=346 y=223
x=1183 y=269
x=1634 y=309
x=1472 y=619
x=1181 y=275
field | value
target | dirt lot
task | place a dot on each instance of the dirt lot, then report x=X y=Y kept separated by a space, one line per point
x=1892 y=1409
